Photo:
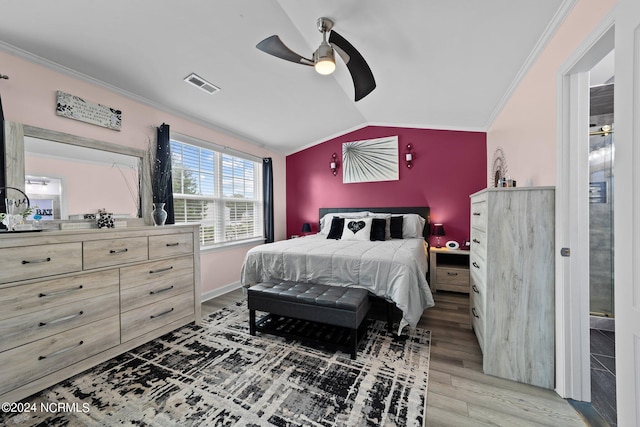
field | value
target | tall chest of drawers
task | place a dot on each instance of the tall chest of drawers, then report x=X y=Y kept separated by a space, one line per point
x=512 y=282
x=71 y=300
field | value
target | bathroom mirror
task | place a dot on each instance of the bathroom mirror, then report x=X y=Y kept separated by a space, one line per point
x=70 y=177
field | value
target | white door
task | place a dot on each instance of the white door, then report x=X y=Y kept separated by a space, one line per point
x=627 y=211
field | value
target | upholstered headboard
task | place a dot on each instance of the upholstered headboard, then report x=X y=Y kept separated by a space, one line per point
x=423 y=211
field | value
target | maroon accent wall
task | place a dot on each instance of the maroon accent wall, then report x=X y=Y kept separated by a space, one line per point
x=448 y=166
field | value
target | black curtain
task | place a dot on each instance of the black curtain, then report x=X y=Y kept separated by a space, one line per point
x=267 y=197
x=3 y=178
x=161 y=173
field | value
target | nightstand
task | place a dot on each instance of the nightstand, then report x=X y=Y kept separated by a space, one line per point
x=449 y=270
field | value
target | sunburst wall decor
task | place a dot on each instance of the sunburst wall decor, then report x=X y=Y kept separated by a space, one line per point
x=498 y=167
x=370 y=160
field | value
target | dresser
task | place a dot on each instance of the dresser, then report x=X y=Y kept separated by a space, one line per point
x=73 y=299
x=512 y=282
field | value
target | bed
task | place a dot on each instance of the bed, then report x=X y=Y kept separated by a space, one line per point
x=394 y=269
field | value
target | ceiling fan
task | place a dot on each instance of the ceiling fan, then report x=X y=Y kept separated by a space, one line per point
x=323 y=58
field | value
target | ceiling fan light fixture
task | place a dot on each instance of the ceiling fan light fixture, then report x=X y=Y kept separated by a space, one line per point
x=324 y=60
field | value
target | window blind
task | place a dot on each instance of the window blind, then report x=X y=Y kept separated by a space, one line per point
x=221 y=191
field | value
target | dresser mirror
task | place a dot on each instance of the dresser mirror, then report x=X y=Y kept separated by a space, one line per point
x=69 y=178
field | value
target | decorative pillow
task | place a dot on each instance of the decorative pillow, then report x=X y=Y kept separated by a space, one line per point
x=396 y=227
x=357 y=229
x=325 y=221
x=412 y=226
x=387 y=218
x=378 y=226
x=337 y=224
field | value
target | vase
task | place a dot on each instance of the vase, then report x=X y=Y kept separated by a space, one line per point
x=159 y=215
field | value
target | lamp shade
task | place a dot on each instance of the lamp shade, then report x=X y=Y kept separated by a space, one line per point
x=325 y=62
x=438 y=230
x=306 y=227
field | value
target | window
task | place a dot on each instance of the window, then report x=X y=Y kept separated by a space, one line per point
x=221 y=191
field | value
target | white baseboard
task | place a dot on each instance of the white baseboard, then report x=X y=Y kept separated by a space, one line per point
x=220 y=291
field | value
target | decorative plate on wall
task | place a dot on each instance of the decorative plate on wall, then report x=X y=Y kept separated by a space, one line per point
x=498 y=166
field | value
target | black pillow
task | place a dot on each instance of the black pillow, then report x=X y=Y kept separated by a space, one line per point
x=378 y=226
x=337 y=224
x=396 y=227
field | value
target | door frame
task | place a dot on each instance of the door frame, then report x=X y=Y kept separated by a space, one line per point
x=573 y=375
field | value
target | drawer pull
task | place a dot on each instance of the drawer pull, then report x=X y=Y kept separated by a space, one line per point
x=450 y=273
x=60 y=292
x=164 y=313
x=35 y=261
x=473 y=310
x=160 y=270
x=173 y=244
x=476 y=213
x=476 y=241
x=159 y=291
x=118 y=251
x=62 y=319
x=475 y=264
x=475 y=289
x=64 y=350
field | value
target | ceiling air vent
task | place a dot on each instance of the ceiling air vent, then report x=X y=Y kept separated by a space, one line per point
x=201 y=83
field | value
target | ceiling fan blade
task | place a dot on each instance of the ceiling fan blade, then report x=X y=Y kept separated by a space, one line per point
x=361 y=74
x=274 y=46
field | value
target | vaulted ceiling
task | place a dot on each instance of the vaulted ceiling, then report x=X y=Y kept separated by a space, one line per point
x=437 y=64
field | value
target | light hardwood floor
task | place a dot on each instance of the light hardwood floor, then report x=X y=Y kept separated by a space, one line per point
x=459 y=394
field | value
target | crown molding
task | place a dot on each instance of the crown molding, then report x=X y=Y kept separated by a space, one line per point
x=541 y=44
x=21 y=53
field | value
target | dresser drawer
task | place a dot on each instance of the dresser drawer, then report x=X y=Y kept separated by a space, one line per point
x=478 y=288
x=105 y=253
x=452 y=279
x=34 y=297
x=153 y=316
x=479 y=242
x=162 y=272
x=478 y=268
x=479 y=214
x=478 y=320
x=29 y=362
x=169 y=245
x=154 y=289
x=30 y=262
x=477 y=323
x=26 y=328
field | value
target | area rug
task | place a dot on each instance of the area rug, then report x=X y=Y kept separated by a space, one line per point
x=216 y=374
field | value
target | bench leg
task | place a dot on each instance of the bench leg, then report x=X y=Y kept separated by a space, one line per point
x=354 y=343
x=252 y=322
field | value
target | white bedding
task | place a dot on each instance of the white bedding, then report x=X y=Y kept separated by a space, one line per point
x=392 y=269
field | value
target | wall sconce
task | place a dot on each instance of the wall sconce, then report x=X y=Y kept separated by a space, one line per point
x=409 y=156
x=334 y=164
x=438 y=231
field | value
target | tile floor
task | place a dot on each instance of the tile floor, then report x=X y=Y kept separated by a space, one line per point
x=603 y=374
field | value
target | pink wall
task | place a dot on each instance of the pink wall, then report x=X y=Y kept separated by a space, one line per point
x=29 y=96
x=526 y=128
x=448 y=167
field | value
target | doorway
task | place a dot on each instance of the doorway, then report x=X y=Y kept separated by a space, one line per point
x=573 y=255
x=601 y=238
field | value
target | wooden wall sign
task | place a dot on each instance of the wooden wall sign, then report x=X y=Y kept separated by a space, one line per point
x=76 y=108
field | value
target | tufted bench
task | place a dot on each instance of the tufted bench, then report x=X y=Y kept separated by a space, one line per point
x=337 y=306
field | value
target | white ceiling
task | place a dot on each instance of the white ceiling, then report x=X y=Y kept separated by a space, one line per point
x=437 y=64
